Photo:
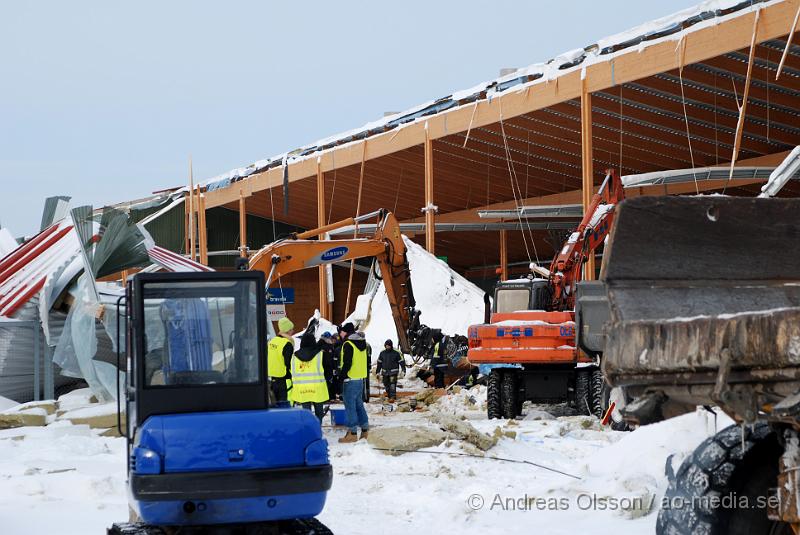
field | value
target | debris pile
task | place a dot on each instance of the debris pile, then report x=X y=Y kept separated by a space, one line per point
x=77 y=407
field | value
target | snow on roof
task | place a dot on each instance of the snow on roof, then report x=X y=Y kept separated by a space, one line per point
x=671 y=27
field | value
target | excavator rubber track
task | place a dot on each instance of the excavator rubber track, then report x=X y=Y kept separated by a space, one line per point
x=309 y=526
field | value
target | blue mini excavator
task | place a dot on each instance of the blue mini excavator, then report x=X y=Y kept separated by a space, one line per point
x=206 y=451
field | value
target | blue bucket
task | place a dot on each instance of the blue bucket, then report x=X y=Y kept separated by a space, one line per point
x=338 y=417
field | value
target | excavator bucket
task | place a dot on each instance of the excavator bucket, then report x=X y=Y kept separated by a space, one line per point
x=690 y=279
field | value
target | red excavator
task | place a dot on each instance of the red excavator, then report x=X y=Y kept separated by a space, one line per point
x=528 y=338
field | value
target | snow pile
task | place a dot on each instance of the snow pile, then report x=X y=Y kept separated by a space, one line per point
x=447 y=300
x=61 y=479
x=469 y=403
x=6 y=404
x=79 y=398
x=78 y=477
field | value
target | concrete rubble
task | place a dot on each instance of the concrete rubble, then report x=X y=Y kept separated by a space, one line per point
x=402 y=439
x=78 y=408
x=464 y=431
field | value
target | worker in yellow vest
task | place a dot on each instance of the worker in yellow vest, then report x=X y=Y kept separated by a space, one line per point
x=353 y=369
x=279 y=359
x=438 y=360
x=309 y=385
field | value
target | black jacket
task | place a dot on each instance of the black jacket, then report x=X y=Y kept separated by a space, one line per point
x=347 y=352
x=288 y=350
x=390 y=361
x=308 y=352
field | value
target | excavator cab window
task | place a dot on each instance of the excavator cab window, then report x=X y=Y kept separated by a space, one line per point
x=512 y=298
x=192 y=334
x=199 y=342
x=532 y=294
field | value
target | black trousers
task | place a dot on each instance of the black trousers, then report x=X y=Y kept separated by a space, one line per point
x=438 y=377
x=390 y=384
x=317 y=408
x=279 y=390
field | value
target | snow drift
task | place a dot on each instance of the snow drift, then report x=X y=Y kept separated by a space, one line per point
x=447 y=300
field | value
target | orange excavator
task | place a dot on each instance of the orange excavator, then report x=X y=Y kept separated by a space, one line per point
x=528 y=338
x=298 y=252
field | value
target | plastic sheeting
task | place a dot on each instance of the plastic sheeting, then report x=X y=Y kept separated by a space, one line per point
x=77 y=347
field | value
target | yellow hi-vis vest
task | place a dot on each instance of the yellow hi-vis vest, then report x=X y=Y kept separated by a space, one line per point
x=358 y=368
x=308 y=380
x=276 y=366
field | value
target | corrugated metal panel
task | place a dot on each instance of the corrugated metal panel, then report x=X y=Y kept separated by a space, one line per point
x=174 y=261
x=223 y=235
x=168 y=229
x=17 y=354
x=23 y=271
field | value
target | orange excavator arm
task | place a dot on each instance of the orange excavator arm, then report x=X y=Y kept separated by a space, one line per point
x=386 y=246
x=565 y=271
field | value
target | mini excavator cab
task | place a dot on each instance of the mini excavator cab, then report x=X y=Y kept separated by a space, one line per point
x=205 y=451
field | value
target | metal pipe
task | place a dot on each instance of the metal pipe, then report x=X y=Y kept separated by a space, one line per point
x=269 y=278
x=36 y=363
x=370 y=215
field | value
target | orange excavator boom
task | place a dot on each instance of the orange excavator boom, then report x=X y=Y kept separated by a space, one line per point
x=386 y=246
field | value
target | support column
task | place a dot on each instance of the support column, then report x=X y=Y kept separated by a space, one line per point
x=503 y=255
x=430 y=220
x=587 y=164
x=202 y=229
x=324 y=305
x=186 y=224
x=192 y=208
x=242 y=226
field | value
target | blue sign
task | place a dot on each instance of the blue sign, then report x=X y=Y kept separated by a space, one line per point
x=332 y=254
x=280 y=296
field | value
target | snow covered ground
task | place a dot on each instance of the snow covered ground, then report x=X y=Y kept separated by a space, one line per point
x=68 y=477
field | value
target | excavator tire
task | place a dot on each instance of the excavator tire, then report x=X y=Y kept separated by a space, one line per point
x=509 y=397
x=493 y=393
x=598 y=390
x=582 y=392
x=732 y=465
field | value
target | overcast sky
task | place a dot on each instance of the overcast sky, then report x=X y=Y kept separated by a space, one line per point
x=104 y=101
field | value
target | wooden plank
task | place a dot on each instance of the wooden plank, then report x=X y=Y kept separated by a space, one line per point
x=355 y=231
x=324 y=306
x=203 y=231
x=587 y=164
x=186 y=224
x=788 y=44
x=191 y=212
x=743 y=108
x=706 y=42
